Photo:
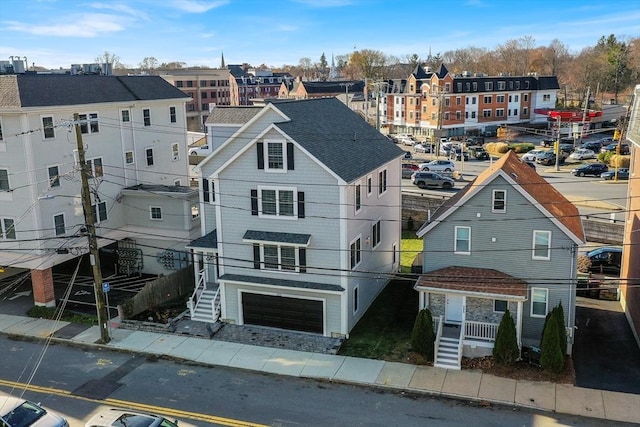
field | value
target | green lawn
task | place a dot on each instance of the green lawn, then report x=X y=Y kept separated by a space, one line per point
x=384 y=331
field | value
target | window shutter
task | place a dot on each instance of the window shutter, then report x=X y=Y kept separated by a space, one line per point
x=302 y=256
x=260 y=148
x=256 y=256
x=213 y=191
x=290 y=165
x=254 y=202
x=300 y=204
x=205 y=190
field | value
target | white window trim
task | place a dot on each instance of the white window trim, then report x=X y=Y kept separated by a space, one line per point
x=357 y=201
x=493 y=201
x=369 y=185
x=49 y=177
x=133 y=157
x=375 y=245
x=283 y=143
x=381 y=172
x=455 y=241
x=52 y=124
x=88 y=122
x=546 y=303
x=533 y=249
x=356 y=300
x=176 y=113
x=3 y=230
x=279 y=245
x=153 y=156
x=121 y=117
x=293 y=217
x=96 y=217
x=151 y=208
x=93 y=166
x=64 y=222
x=359 y=261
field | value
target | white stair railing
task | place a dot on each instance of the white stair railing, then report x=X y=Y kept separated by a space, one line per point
x=215 y=306
x=197 y=292
x=438 y=336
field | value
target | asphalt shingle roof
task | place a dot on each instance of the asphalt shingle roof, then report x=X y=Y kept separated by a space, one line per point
x=473 y=280
x=209 y=240
x=272 y=236
x=237 y=115
x=44 y=90
x=337 y=136
x=282 y=282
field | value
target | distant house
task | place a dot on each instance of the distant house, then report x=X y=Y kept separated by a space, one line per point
x=301 y=218
x=508 y=240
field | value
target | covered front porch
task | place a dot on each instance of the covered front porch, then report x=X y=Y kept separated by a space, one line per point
x=204 y=303
x=467 y=305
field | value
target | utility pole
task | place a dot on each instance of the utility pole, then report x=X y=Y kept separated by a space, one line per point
x=584 y=113
x=94 y=254
x=346 y=91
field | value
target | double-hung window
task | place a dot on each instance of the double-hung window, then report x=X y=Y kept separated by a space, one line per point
x=275 y=155
x=375 y=234
x=208 y=190
x=146 y=117
x=54 y=176
x=48 y=131
x=58 y=224
x=355 y=252
x=99 y=212
x=279 y=257
x=499 y=202
x=358 y=197
x=7 y=229
x=94 y=167
x=149 y=154
x=382 y=181
x=4 y=180
x=128 y=157
x=89 y=123
x=173 y=117
x=462 y=240
x=539 y=302
x=278 y=202
x=541 y=244
x=126 y=116
x=155 y=213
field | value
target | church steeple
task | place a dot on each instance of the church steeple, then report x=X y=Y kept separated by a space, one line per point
x=222 y=64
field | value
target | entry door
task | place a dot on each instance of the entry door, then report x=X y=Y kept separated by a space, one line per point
x=453 y=309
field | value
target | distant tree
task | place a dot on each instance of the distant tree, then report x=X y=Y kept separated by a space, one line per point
x=422 y=336
x=172 y=65
x=149 y=64
x=505 y=349
x=412 y=61
x=305 y=65
x=323 y=66
x=109 y=58
x=367 y=64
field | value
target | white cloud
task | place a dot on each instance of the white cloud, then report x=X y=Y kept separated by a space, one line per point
x=84 y=25
x=325 y=3
x=197 y=6
x=121 y=8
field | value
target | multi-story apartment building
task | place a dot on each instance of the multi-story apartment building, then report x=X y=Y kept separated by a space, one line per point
x=133 y=130
x=255 y=83
x=439 y=103
x=205 y=86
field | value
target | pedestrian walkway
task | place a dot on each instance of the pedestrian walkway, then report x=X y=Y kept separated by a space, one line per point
x=468 y=385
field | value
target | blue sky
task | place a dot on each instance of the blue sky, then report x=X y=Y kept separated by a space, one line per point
x=57 y=33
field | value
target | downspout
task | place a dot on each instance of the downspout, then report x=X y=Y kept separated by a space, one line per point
x=572 y=294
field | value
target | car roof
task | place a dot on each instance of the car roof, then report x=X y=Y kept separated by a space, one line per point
x=41 y=419
x=604 y=249
x=119 y=418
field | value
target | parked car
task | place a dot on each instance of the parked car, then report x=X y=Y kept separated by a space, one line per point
x=478 y=153
x=595 y=169
x=605 y=260
x=438 y=166
x=123 y=418
x=613 y=147
x=457 y=154
x=202 y=150
x=582 y=154
x=623 y=173
x=431 y=179
x=548 y=142
x=547 y=158
x=422 y=148
x=567 y=148
x=592 y=145
x=18 y=412
x=408 y=169
x=408 y=155
x=531 y=155
x=474 y=141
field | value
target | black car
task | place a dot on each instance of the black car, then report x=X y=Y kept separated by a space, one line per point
x=624 y=148
x=605 y=260
x=622 y=173
x=474 y=141
x=478 y=153
x=457 y=154
x=594 y=169
x=547 y=158
x=595 y=146
x=567 y=148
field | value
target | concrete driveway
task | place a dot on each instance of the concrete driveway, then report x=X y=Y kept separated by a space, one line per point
x=605 y=354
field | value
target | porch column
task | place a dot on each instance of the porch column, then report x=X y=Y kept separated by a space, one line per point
x=519 y=324
x=42 y=284
x=463 y=327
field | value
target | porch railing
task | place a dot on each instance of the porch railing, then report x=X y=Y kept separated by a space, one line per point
x=201 y=285
x=215 y=305
x=438 y=331
x=480 y=330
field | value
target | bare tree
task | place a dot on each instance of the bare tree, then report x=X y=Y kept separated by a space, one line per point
x=368 y=63
x=149 y=64
x=109 y=58
x=305 y=64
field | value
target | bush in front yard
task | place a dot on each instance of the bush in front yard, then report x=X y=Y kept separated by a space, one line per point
x=422 y=336
x=505 y=350
x=553 y=344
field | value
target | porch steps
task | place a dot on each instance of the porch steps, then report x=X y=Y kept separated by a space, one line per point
x=203 y=312
x=447 y=356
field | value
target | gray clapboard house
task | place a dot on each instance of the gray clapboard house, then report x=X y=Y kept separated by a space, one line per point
x=301 y=227
x=507 y=240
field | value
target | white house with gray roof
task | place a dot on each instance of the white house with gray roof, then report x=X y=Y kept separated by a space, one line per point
x=301 y=210
x=134 y=134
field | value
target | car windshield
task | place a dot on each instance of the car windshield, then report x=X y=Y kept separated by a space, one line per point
x=133 y=420
x=24 y=415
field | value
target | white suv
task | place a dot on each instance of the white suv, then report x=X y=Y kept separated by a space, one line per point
x=438 y=166
x=119 y=418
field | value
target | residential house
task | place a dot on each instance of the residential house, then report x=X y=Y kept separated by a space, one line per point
x=440 y=103
x=508 y=240
x=255 y=83
x=205 y=86
x=630 y=271
x=133 y=130
x=344 y=90
x=301 y=218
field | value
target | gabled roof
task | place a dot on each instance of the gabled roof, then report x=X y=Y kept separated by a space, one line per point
x=337 y=87
x=471 y=280
x=232 y=115
x=336 y=136
x=525 y=180
x=44 y=90
x=442 y=71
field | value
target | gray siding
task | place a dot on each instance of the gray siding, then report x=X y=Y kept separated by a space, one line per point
x=503 y=241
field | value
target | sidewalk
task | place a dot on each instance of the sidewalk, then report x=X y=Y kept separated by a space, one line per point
x=466 y=385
